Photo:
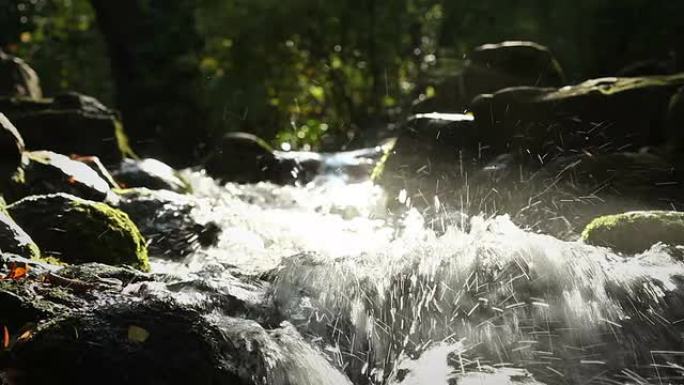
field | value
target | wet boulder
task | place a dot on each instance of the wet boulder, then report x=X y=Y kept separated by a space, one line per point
x=161 y=342
x=96 y=164
x=244 y=158
x=492 y=67
x=168 y=221
x=75 y=230
x=636 y=231
x=11 y=149
x=429 y=158
x=46 y=172
x=69 y=124
x=18 y=79
x=125 y=344
x=564 y=194
x=607 y=113
x=13 y=239
x=151 y=174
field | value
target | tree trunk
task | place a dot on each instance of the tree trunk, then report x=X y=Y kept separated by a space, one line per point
x=154 y=51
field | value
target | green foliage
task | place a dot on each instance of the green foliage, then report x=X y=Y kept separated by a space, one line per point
x=304 y=71
x=321 y=74
x=59 y=38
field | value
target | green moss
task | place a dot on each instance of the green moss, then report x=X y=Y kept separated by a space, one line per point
x=118 y=221
x=122 y=141
x=49 y=260
x=75 y=230
x=379 y=168
x=3 y=206
x=636 y=231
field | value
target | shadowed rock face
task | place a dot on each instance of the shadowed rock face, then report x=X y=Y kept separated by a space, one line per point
x=156 y=343
x=166 y=220
x=620 y=113
x=13 y=239
x=69 y=124
x=11 y=148
x=492 y=67
x=244 y=158
x=17 y=79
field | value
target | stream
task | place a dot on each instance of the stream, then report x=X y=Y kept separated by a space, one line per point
x=474 y=300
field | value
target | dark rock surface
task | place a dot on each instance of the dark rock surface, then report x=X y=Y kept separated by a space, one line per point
x=18 y=79
x=492 y=67
x=69 y=124
x=75 y=230
x=11 y=148
x=615 y=114
x=166 y=220
x=149 y=173
x=13 y=239
x=46 y=172
x=430 y=157
x=126 y=344
x=244 y=158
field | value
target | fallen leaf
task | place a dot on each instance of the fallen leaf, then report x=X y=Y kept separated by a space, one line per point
x=17 y=272
x=137 y=334
x=5 y=337
x=25 y=336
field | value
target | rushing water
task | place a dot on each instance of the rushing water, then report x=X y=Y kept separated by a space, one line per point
x=485 y=302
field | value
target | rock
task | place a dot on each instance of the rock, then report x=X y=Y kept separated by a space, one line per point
x=149 y=173
x=17 y=79
x=609 y=113
x=563 y=195
x=69 y=124
x=675 y=121
x=127 y=344
x=46 y=172
x=22 y=305
x=429 y=158
x=167 y=220
x=244 y=158
x=11 y=148
x=75 y=230
x=492 y=67
x=636 y=231
x=96 y=164
x=13 y=239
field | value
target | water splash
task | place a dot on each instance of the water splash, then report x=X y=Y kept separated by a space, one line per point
x=377 y=294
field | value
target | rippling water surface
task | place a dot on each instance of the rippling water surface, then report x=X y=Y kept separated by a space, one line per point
x=485 y=302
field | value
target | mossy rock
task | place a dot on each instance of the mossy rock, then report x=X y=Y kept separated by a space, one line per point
x=636 y=231
x=80 y=231
x=606 y=114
